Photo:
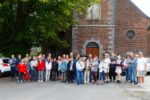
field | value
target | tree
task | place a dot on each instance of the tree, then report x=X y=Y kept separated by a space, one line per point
x=23 y=22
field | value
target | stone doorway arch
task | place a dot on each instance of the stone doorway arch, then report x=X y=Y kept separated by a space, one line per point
x=93 y=43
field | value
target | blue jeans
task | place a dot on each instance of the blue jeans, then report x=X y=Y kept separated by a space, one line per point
x=34 y=74
x=127 y=74
x=13 y=72
x=41 y=75
x=102 y=76
x=134 y=75
x=63 y=76
x=130 y=73
x=79 y=77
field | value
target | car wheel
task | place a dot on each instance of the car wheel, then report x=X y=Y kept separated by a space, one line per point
x=0 y=74
x=148 y=73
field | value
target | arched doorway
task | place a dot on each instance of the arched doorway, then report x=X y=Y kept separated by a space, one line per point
x=92 y=48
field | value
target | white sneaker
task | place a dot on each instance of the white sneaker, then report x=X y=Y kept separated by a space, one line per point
x=41 y=81
x=38 y=81
x=142 y=86
x=139 y=85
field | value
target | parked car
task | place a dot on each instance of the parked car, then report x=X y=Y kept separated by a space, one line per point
x=4 y=65
x=148 y=65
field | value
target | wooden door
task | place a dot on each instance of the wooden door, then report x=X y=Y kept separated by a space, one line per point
x=93 y=51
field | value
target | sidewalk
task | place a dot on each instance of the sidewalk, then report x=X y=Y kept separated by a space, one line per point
x=143 y=93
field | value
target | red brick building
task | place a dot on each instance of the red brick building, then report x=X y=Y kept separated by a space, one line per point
x=112 y=26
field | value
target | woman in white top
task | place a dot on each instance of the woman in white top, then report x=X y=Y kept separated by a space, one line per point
x=141 y=69
x=107 y=61
x=118 y=68
x=102 y=70
x=48 y=65
x=80 y=65
x=33 y=65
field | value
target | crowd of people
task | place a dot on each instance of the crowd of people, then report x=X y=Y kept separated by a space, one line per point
x=79 y=69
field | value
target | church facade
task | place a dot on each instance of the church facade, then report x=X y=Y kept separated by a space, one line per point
x=115 y=26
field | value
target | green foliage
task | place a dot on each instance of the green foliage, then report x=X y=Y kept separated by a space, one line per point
x=23 y=22
x=35 y=51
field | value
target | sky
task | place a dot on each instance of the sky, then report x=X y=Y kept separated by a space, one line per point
x=144 y=5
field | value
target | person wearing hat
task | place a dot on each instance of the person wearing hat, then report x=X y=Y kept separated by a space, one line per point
x=141 y=69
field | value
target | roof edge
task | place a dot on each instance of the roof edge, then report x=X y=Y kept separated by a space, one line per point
x=136 y=7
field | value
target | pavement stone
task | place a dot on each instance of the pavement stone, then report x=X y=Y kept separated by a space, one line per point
x=10 y=90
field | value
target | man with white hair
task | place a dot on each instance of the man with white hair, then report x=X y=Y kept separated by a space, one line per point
x=141 y=69
x=80 y=65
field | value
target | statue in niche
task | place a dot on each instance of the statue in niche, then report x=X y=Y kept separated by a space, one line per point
x=93 y=12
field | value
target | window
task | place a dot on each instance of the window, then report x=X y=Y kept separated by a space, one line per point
x=92 y=45
x=139 y=50
x=130 y=34
x=93 y=12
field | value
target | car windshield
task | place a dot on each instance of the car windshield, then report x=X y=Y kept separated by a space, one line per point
x=148 y=60
x=5 y=60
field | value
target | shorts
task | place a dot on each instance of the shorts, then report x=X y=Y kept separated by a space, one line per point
x=140 y=73
x=118 y=70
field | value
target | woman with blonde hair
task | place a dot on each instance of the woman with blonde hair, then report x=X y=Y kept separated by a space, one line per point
x=48 y=65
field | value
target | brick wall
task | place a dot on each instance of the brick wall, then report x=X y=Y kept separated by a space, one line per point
x=148 y=45
x=129 y=17
x=117 y=18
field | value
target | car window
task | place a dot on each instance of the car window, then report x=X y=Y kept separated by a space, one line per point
x=148 y=60
x=5 y=60
x=1 y=61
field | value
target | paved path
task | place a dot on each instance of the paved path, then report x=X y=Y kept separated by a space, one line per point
x=9 y=90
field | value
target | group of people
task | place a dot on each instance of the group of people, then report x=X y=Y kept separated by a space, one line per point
x=79 y=69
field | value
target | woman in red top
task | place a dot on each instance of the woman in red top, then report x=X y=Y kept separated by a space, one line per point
x=41 y=68
x=22 y=70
